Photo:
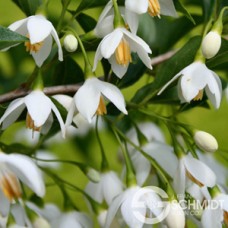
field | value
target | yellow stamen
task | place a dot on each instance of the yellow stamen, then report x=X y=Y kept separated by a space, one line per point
x=154 y=8
x=10 y=186
x=225 y=216
x=193 y=179
x=33 y=47
x=30 y=123
x=101 y=110
x=123 y=53
x=199 y=96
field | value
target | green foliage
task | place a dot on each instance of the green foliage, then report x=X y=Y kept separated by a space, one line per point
x=29 y=7
x=9 y=38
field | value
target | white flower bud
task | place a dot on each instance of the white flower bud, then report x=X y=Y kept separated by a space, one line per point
x=70 y=43
x=205 y=141
x=211 y=44
x=175 y=217
x=41 y=222
x=93 y=175
x=102 y=218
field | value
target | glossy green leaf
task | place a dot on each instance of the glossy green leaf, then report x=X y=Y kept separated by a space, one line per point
x=180 y=7
x=29 y=7
x=87 y=4
x=208 y=6
x=9 y=38
x=169 y=69
x=86 y=22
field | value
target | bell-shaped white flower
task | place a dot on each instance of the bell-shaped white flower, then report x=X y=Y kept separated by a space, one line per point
x=89 y=100
x=133 y=204
x=40 y=32
x=193 y=80
x=39 y=116
x=216 y=212
x=196 y=171
x=105 y=22
x=117 y=47
x=14 y=167
x=106 y=189
x=153 y=7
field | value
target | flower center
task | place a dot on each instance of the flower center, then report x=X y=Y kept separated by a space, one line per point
x=10 y=185
x=123 y=53
x=33 y=47
x=30 y=123
x=154 y=8
x=193 y=179
x=199 y=96
x=101 y=110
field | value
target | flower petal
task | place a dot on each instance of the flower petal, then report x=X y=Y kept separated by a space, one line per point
x=87 y=98
x=98 y=57
x=132 y=20
x=44 y=52
x=104 y=27
x=20 y=27
x=167 y=8
x=110 y=43
x=179 y=179
x=95 y=191
x=118 y=69
x=214 y=89
x=26 y=171
x=113 y=94
x=113 y=208
x=39 y=107
x=71 y=113
x=111 y=186
x=39 y=28
x=212 y=218
x=56 y=38
x=200 y=171
x=59 y=117
x=137 y=6
x=12 y=112
x=4 y=208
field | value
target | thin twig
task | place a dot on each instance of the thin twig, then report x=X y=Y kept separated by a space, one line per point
x=161 y=58
x=21 y=92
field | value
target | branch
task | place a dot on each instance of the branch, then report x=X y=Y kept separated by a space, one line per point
x=21 y=92
x=63 y=89
x=162 y=58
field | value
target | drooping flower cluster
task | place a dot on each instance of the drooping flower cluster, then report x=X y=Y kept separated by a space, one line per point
x=160 y=183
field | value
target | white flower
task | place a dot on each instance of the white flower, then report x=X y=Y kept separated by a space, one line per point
x=40 y=32
x=89 y=99
x=128 y=203
x=106 y=189
x=70 y=43
x=117 y=47
x=205 y=141
x=154 y=7
x=196 y=171
x=193 y=79
x=39 y=116
x=176 y=216
x=216 y=213
x=105 y=22
x=211 y=44
x=15 y=167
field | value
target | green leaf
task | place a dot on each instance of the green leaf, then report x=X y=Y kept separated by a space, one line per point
x=86 y=22
x=87 y=4
x=169 y=69
x=29 y=7
x=180 y=7
x=208 y=6
x=9 y=38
